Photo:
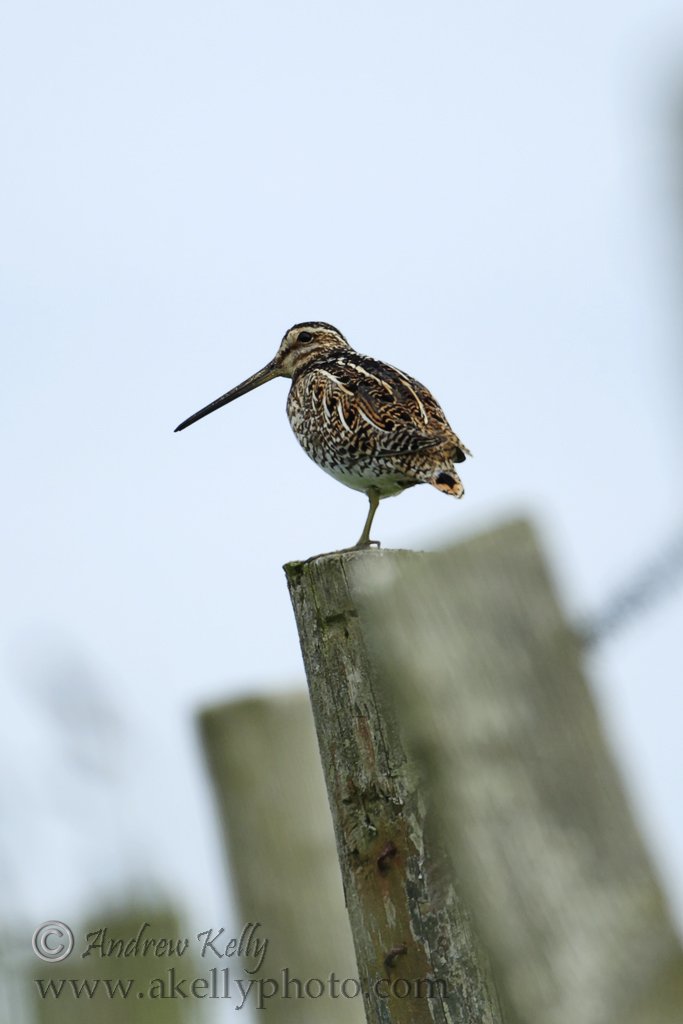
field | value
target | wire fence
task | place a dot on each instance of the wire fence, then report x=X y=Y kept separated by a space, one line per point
x=651 y=584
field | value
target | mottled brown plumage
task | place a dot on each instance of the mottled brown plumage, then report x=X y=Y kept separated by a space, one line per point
x=367 y=424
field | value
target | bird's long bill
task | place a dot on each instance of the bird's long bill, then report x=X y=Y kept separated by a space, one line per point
x=267 y=373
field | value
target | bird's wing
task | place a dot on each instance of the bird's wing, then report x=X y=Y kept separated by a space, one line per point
x=418 y=443
x=401 y=413
x=403 y=407
x=413 y=443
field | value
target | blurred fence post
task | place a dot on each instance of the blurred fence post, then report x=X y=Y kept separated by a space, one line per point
x=418 y=957
x=265 y=767
x=128 y=986
x=487 y=682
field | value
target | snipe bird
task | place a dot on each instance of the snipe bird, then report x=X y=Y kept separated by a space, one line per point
x=367 y=424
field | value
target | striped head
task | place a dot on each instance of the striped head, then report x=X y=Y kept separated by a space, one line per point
x=301 y=345
x=304 y=342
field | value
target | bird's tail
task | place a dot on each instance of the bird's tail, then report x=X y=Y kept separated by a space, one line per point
x=448 y=481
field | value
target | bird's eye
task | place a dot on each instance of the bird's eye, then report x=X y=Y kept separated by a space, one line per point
x=304 y=336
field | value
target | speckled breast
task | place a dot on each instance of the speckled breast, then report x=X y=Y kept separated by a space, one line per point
x=339 y=439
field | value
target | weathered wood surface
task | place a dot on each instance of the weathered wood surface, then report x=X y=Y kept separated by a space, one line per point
x=488 y=684
x=409 y=925
x=265 y=767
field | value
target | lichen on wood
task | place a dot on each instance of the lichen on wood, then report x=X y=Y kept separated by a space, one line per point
x=418 y=955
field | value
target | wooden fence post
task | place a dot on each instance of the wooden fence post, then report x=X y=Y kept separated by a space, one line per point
x=266 y=772
x=487 y=681
x=418 y=957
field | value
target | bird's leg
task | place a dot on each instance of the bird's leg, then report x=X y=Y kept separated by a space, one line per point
x=365 y=541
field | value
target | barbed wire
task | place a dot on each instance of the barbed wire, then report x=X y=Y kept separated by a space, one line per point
x=651 y=584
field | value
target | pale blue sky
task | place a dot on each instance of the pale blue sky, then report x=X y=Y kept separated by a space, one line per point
x=483 y=195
